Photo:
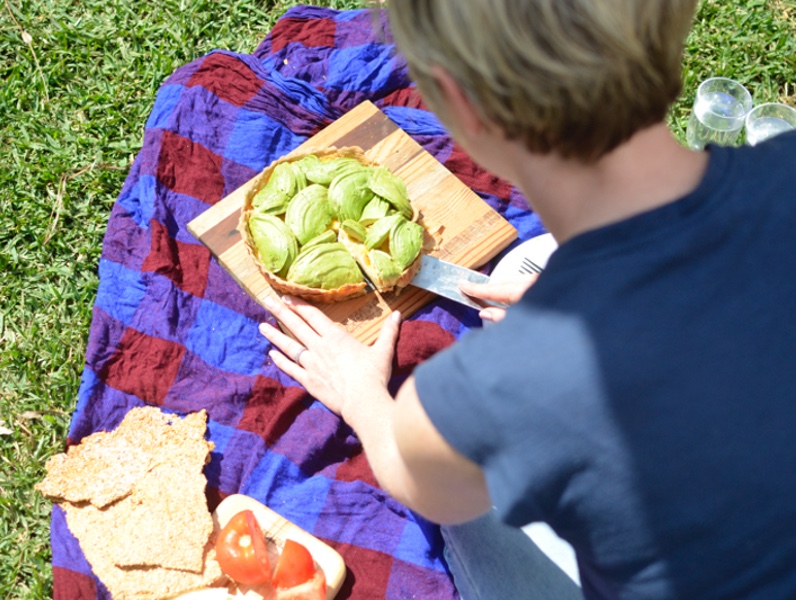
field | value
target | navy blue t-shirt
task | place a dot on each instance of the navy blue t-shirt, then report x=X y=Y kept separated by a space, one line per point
x=641 y=397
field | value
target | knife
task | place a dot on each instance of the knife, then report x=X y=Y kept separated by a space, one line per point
x=442 y=278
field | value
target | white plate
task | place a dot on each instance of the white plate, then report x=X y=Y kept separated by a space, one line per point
x=538 y=249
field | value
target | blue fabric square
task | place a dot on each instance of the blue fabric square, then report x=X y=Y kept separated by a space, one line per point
x=349 y=15
x=66 y=548
x=257 y=139
x=302 y=92
x=120 y=290
x=220 y=435
x=166 y=100
x=373 y=519
x=139 y=200
x=165 y=311
x=227 y=340
x=242 y=453
x=89 y=383
x=281 y=485
x=415 y=546
x=415 y=121
x=370 y=68
x=527 y=224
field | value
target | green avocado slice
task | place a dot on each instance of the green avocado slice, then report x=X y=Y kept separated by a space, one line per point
x=326 y=266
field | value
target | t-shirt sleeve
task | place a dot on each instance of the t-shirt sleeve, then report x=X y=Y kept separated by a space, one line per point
x=449 y=386
x=515 y=398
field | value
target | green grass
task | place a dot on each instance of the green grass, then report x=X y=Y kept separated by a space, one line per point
x=78 y=81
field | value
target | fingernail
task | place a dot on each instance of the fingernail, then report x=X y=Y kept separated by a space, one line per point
x=269 y=302
x=396 y=316
x=263 y=327
x=287 y=299
x=485 y=316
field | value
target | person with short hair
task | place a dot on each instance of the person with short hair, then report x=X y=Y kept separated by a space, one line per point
x=638 y=397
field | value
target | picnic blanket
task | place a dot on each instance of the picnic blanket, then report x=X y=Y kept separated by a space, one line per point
x=171 y=328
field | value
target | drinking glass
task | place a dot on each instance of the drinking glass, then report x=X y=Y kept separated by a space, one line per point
x=718 y=115
x=767 y=120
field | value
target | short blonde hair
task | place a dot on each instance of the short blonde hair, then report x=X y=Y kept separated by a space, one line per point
x=575 y=77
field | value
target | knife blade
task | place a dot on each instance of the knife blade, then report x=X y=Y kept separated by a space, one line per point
x=442 y=278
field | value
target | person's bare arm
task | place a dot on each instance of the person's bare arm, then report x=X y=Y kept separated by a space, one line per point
x=409 y=457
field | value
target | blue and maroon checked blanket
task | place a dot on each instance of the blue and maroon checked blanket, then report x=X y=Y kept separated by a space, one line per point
x=171 y=328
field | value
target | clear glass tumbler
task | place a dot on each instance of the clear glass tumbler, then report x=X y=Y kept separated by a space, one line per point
x=767 y=120
x=719 y=111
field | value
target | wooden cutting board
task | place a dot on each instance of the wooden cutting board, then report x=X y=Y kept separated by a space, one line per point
x=470 y=231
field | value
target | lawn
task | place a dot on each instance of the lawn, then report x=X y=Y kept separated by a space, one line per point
x=79 y=79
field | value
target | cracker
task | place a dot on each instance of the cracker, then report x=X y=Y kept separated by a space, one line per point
x=135 y=499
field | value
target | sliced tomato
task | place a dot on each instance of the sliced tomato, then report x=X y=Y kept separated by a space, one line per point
x=242 y=552
x=314 y=589
x=295 y=566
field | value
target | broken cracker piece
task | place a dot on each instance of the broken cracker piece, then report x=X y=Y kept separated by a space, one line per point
x=90 y=472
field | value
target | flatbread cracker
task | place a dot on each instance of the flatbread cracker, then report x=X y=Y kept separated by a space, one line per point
x=141 y=516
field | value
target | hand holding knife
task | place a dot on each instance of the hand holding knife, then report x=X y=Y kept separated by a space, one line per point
x=472 y=288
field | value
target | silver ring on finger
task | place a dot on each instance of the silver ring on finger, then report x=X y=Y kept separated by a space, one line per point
x=297 y=355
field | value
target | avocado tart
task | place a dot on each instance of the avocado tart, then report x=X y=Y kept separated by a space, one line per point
x=315 y=222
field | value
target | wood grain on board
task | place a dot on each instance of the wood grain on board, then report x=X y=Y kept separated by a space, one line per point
x=467 y=230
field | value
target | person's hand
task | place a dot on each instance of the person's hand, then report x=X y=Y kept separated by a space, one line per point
x=334 y=366
x=506 y=292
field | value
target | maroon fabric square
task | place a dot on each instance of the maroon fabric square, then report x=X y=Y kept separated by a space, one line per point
x=189 y=168
x=144 y=366
x=475 y=177
x=272 y=408
x=408 y=97
x=71 y=585
x=214 y=497
x=185 y=264
x=311 y=33
x=368 y=572
x=418 y=341
x=357 y=468
x=227 y=77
